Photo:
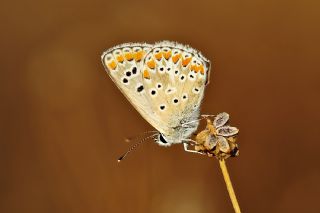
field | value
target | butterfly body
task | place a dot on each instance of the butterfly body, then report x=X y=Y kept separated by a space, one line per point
x=165 y=82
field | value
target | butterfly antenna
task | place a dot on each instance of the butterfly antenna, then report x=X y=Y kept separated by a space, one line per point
x=134 y=147
x=129 y=139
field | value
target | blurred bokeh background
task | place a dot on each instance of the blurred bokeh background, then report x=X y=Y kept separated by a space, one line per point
x=63 y=121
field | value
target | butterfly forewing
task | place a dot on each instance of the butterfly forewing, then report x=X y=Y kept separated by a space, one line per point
x=123 y=63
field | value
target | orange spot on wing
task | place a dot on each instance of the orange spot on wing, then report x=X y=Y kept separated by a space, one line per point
x=158 y=56
x=128 y=56
x=194 y=68
x=138 y=55
x=120 y=58
x=201 y=68
x=146 y=74
x=186 y=61
x=176 y=58
x=112 y=65
x=197 y=68
x=151 y=64
x=167 y=55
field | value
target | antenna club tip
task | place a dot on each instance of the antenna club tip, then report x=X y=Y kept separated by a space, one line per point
x=118 y=160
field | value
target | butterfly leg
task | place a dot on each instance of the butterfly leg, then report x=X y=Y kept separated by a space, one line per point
x=205 y=116
x=190 y=142
x=186 y=145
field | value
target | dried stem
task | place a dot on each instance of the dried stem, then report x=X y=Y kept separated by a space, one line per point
x=226 y=177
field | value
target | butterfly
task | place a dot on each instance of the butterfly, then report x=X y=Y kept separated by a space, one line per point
x=164 y=82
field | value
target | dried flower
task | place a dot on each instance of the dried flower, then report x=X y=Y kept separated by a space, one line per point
x=218 y=139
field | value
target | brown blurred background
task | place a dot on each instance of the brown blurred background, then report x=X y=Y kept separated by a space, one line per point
x=63 y=121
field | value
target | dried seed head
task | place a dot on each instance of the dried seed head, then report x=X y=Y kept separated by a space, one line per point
x=218 y=139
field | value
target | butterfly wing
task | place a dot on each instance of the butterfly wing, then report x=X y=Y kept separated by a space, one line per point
x=123 y=64
x=174 y=77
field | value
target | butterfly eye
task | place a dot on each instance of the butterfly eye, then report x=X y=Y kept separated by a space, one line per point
x=162 y=140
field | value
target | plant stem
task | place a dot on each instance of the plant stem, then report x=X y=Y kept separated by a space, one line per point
x=226 y=177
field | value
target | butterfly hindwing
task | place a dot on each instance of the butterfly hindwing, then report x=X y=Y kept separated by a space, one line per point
x=174 y=77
